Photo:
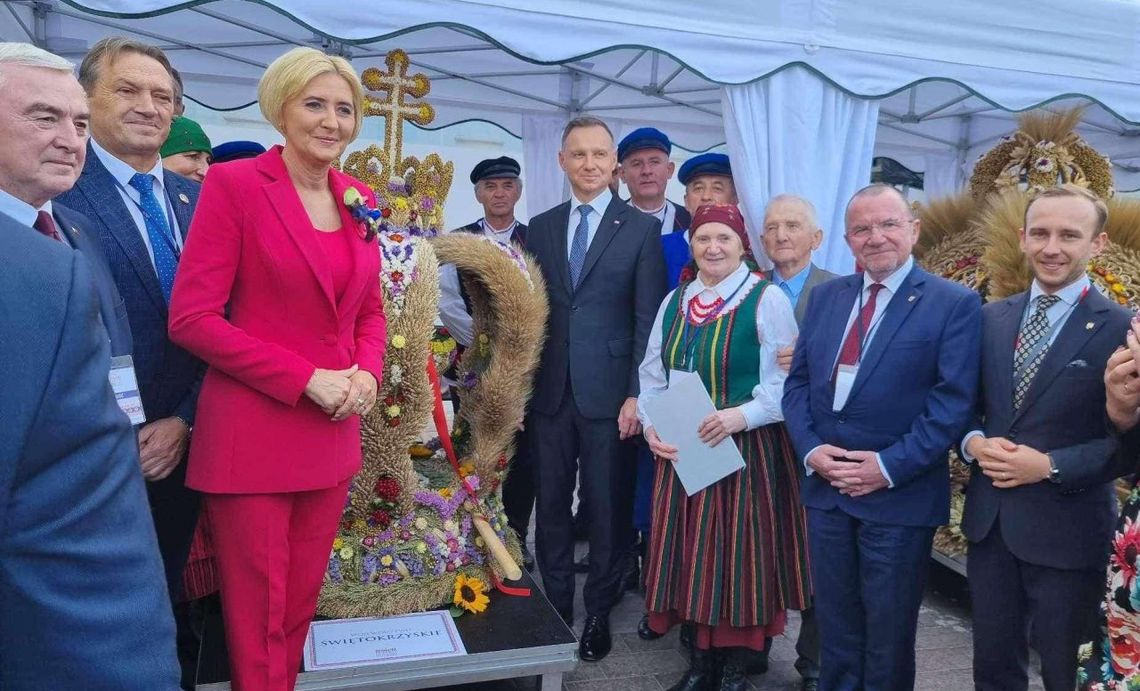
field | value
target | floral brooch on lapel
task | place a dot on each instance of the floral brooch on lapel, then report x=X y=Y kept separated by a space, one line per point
x=372 y=219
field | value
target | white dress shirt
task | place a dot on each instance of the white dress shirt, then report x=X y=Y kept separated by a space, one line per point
x=594 y=220
x=1057 y=315
x=775 y=328
x=123 y=174
x=891 y=286
x=666 y=214
x=452 y=311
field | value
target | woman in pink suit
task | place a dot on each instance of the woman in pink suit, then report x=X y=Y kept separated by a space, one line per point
x=278 y=291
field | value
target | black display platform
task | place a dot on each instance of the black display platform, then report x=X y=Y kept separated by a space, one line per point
x=515 y=637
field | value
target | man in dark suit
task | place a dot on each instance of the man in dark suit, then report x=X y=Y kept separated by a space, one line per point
x=498 y=188
x=141 y=214
x=43 y=122
x=790 y=234
x=645 y=168
x=1040 y=507
x=882 y=383
x=605 y=278
x=84 y=606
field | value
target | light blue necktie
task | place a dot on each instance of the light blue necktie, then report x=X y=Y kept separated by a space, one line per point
x=578 y=247
x=158 y=230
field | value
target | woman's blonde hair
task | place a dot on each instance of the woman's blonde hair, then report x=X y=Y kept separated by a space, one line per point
x=288 y=75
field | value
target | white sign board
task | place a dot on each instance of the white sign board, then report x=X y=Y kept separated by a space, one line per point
x=338 y=643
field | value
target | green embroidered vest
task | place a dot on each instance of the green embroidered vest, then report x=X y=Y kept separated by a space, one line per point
x=724 y=352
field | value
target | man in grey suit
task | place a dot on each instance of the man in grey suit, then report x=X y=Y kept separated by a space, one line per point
x=790 y=235
x=605 y=277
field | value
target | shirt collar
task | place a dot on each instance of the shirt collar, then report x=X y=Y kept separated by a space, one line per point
x=20 y=210
x=726 y=287
x=599 y=204
x=655 y=212
x=121 y=171
x=892 y=282
x=1070 y=294
x=796 y=282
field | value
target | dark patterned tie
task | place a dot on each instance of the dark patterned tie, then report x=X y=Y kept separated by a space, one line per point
x=46 y=226
x=849 y=353
x=159 y=232
x=1034 y=329
x=580 y=243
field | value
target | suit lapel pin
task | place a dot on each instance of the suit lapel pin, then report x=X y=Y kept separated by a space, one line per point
x=911 y=298
x=183 y=198
x=1089 y=326
x=74 y=230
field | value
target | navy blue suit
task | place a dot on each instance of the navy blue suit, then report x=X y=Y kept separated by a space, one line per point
x=82 y=600
x=910 y=402
x=1038 y=551
x=113 y=310
x=169 y=377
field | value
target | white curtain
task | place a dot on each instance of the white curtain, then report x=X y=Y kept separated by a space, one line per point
x=942 y=175
x=543 y=181
x=795 y=133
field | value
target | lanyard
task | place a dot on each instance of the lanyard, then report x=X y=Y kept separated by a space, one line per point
x=167 y=237
x=1042 y=344
x=689 y=339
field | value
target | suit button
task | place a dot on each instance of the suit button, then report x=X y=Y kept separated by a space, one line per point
x=1012 y=434
x=842 y=419
x=573 y=308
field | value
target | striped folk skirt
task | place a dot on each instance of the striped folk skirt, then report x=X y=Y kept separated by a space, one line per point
x=732 y=557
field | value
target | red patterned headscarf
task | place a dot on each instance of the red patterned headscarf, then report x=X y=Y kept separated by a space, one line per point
x=729 y=215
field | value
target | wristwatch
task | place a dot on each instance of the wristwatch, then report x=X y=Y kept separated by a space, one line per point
x=1054 y=471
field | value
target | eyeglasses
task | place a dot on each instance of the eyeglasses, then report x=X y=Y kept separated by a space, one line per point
x=888 y=227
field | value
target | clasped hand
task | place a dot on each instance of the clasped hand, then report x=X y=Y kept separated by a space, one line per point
x=854 y=473
x=342 y=393
x=1008 y=464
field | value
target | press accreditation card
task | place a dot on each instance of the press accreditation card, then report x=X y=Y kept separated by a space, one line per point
x=126 y=387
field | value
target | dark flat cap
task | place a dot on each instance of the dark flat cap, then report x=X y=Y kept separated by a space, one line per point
x=501 y=167
x=643 y=138
x=704 y=164
x=232 y=151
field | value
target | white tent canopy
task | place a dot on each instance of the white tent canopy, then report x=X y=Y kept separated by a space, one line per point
x=945 y=76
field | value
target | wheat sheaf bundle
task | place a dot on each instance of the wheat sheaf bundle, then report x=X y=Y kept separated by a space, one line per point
x=509 y=310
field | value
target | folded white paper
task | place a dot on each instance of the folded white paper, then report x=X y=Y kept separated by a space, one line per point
x=675 y=414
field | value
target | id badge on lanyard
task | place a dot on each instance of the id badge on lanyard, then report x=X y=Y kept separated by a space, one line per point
x=126 y=387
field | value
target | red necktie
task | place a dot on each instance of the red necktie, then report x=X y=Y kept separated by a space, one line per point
x=46 y=226
x=849 y=353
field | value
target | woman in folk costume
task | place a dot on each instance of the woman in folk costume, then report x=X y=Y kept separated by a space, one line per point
x=730 y=559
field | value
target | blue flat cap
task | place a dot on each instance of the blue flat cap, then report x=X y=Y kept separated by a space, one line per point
x=704 y=164
x=501 y=167
x=643 y=138
x=232 y=151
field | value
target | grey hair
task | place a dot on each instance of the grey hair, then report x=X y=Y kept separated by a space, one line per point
x=876 y=189
x=27 y=55
x=812 y=217
x=585 y=121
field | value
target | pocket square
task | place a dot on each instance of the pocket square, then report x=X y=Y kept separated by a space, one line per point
x=1077 y=364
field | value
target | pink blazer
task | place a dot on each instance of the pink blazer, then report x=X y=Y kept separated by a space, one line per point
x=254 y=299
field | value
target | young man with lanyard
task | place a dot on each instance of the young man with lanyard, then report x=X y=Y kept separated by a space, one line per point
x=645 y=169
x=1040 y=508
x=498 y=188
